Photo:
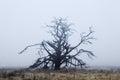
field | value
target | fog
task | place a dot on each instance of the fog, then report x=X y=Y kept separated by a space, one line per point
x=22 y=23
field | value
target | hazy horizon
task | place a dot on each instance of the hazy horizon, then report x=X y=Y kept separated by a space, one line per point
x=22 y=23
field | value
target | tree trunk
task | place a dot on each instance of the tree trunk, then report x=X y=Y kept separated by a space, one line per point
x=57 y=66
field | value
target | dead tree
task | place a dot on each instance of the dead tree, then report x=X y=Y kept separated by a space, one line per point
x=57 y=52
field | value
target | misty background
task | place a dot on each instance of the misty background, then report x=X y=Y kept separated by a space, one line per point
x=22 y=23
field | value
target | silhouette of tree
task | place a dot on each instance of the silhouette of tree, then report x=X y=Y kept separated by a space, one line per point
x=59 y=52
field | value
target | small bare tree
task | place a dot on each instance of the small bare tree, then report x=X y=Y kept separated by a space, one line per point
x=59 y=49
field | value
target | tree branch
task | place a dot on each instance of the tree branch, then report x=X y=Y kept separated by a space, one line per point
x=28 y=47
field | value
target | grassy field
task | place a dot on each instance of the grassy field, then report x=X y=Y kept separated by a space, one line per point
x=61 y=75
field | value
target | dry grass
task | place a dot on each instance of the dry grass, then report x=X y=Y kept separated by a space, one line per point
x=61 y=75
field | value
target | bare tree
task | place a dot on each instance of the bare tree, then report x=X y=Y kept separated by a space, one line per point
x=60 y=53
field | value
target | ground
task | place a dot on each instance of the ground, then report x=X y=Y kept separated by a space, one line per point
x=60 y=75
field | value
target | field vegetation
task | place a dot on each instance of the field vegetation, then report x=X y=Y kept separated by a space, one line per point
x=60 y=75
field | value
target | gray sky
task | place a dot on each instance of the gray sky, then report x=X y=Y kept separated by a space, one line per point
x=22 y=22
